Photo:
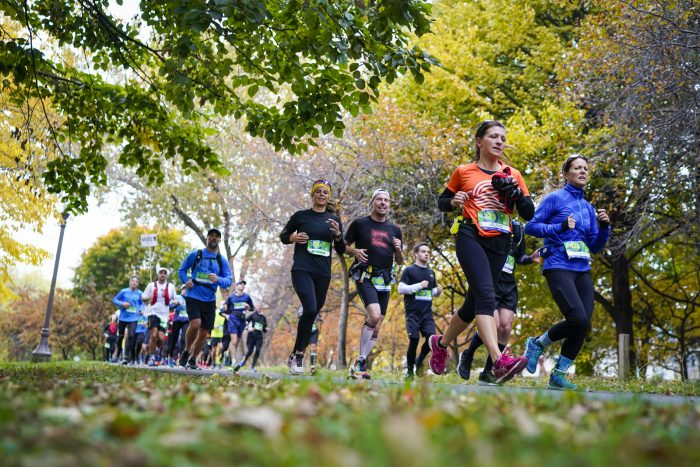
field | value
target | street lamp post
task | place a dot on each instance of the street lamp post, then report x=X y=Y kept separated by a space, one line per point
x=42 y=352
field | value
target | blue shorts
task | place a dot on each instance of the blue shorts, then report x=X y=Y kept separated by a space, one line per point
x=236 y=325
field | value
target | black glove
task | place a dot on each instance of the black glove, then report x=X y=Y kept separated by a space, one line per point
x=502 y=183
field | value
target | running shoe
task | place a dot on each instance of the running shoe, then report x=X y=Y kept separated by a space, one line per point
x=312 y=370
x=192 y=365
x=506 y=367
x=253 y=370
x=487 y=379
x=359 y=369
x=533 y=351
x=438 y=355
x=125 y=362
x=238 y=366
x=183 y=358
x=464 y=368
x=297 y=367
x=152 y=361
x=171 y=362
x=558 y=382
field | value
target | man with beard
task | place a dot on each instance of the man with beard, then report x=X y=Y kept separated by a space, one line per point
x=202 y=272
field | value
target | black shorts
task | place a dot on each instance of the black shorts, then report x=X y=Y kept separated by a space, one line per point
x=156 y=322
x=313 y=338
x=369 y=295
x=215 y=341
x=507 y=295
x=420 y=323
x=206 y=311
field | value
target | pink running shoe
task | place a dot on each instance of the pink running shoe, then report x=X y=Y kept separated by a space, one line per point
x=438 y=355
x=506 y=367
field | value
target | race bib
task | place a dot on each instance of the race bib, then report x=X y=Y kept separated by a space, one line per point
x=509 y=266
x=379 y=284
x=132 y=309
x=319 y=247
x=258 y=326
x=202 y=277
x=491 y=220
x=425 y=295
x=577 y=250
x=314 y=328
x=238 y=305
x=106 y=345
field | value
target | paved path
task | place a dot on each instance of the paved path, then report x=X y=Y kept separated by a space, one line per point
x=456 y=388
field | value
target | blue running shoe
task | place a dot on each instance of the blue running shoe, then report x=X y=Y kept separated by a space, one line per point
x=558 y=382
x=533 y=351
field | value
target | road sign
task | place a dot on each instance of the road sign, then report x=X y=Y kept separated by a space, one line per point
x=149 y=240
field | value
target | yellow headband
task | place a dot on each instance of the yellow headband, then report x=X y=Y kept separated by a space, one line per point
x=320 y=183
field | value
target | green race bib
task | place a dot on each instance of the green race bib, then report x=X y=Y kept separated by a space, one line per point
x=238 y=305
x=380 y=285
x=258 y=326
x=577 y=250
x=509 y=266
x=319 y=247
x=425 y=295
x=202 y=277
x=314 y=328
x=491 y=220
x=132 y=309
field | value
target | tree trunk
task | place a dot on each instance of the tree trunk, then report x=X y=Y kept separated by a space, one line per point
x=623 y=313
x=343 y=318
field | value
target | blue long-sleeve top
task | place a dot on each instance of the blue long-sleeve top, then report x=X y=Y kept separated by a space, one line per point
x=548 y=224
x=180 y=310
x=131 y=313
x=203 y=290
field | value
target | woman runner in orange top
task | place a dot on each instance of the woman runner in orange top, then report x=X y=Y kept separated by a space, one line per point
x=487 y=192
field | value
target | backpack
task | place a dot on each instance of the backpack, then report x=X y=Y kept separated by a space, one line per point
x=199 y=258
x=155 y=293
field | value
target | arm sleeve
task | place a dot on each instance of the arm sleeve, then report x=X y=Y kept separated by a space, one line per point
x=596 y=238
x=339 y=245
x=250 y=302
x=117 y=300
x=185 y=266
x=289 y=228
x=225 y=279
x=445 y=200
x=538 y=226
x=526 y=208
x=405 y=289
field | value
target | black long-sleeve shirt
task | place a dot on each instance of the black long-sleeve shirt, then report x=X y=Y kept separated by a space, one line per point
x=315 y=255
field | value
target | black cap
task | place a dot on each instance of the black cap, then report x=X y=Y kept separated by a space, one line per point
x=214 y=231
x=241 y=282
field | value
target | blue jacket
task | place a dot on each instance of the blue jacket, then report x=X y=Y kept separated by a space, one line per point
x=547 y=223
x=180 y=310
x=131 y=314
x=208 y=264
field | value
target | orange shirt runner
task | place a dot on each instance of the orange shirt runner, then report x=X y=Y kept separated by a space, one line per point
x=483 y=206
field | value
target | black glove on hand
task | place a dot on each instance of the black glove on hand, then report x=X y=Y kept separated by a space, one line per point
x=511 y=198
x=502 y=182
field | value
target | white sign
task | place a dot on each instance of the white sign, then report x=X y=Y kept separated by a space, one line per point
x=149 y=240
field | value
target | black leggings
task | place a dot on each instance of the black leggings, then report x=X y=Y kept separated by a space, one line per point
x=411 y=352
x=255 y=342
x=129 y=353
x=482 y=266
x=573 y=293
x=175 y=336
x=311 y=289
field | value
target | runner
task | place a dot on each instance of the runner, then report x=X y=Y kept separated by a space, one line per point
x=569 y=225
x=418 y=286
x=141 y=337
x=235 y=308
x=217 y=335
x=129 y=302
x=202 y=272
x=506 y=306
x=487 y=192
x=314 y=232
x=179 y=324
x=257 y=325
x=377 y=245
x=110 y=334
x=158 y=295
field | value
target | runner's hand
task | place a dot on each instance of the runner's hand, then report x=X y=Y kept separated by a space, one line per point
x=361 y=255
x=603 y=217
x=536 y=258
x=438 y=290
x=299 y=237
x=397 y=243
x=126 y=304
x=571 y=222
x=334 y=226
x=213 y=278
x=189 y=284
x=459 y=199
x=424 y=284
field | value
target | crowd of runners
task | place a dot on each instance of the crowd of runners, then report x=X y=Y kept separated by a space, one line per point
x=159 y=326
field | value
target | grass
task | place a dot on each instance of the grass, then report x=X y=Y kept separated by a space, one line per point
x=94 y=414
